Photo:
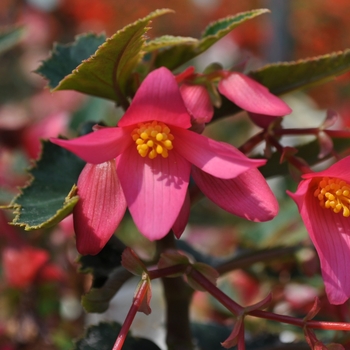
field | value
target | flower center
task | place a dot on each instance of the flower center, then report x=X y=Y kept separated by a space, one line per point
x=334 y=194
x=152 y=138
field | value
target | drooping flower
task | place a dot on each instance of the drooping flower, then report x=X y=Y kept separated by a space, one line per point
x=145 y=164
x=323 y=199
x=262 y=106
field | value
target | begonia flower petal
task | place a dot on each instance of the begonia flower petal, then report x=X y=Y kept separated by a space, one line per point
x=182 y=219
x=330 y=234
x=100 y=208
x=262 y=120
x=340 y=170
x=197 y=100
x=98 y=146
x=252 y=96
x=216 y=158
x=157 y=98
x=154 y=189
x=247 y=195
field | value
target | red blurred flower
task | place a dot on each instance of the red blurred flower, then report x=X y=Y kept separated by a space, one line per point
x=25 y=266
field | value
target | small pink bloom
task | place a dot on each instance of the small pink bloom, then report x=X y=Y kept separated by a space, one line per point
x=253 y=97
x=52 y=125
x=323 y=201
x=198 y=103
x=154 y=152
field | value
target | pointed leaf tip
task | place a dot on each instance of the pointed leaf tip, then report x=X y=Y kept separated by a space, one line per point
x=107 y=73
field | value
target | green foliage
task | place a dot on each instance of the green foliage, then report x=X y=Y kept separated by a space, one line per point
x=10 y=37
x=103 y=263
x=50 y=196
x=108 y=72
x=65 y=58
x=285 y=77
x=175 y=56
x=166 y=41
x=104 y=335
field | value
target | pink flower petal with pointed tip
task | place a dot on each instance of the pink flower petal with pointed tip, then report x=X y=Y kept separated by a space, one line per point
x=340 y=170
x=330 y=234
x=247 y=195
x=182 y=220
x=252 y=96
x=99 y=146
x=154 y=189
x=262 y=120
x=157 y=98
x=100 y=208
x=198 y=103
x=215 y=158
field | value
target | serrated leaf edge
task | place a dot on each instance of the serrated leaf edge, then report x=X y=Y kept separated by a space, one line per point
x=69 y=199
x=253 y=13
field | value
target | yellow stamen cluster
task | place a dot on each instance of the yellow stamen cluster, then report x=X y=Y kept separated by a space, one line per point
x=334 y=194
x=152 y=139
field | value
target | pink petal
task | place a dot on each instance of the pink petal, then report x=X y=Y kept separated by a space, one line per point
x=158 y=98
x=154 y=189
x=198 y=103
x=330 y=234
x=252 y=96
x=247 y=195
x=99 y=146
x=182 y=220
x=215 y=158
x=262 y=120
x=100 y=208
x=340 y=170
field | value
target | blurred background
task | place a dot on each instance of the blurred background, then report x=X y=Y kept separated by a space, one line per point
x=39 y=288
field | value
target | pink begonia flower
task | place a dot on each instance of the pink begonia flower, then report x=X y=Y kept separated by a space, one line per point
x=262 y=106
x=323 y=199
x=145 y=164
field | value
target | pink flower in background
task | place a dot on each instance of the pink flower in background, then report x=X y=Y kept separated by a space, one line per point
x=323 y=199
x=24 y=266
x=52 y=125
x=145 y=164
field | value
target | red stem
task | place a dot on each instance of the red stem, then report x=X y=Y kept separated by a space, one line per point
x=216 y=292
x=141 y=293
x=167 y=271
x=338 y=326
x=311 y=131
x=237 y=309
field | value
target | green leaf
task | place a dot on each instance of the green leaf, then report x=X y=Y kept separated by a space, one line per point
x=65 y=58
x=209 y=336
x=98 y=299
x=104 y=335
x=177 y=55
x=107 y=73
x=103 y=263
x=167 y=41
x=284 y=77
x=10 y=37
x=50 y=196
